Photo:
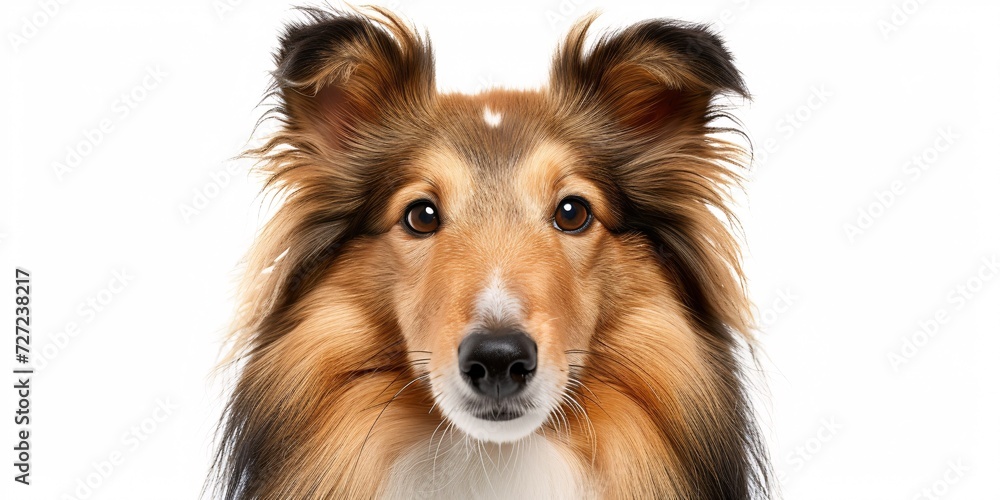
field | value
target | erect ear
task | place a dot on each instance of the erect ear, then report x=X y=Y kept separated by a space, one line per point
x=652 y=77
x=350 y=87
x=340 y=71
x=643 y=99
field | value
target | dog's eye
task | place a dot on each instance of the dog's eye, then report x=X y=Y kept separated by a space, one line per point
x=572 y=215
x=422 y=218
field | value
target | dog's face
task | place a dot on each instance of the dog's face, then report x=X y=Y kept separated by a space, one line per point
x=491 y=238
x=498 y=256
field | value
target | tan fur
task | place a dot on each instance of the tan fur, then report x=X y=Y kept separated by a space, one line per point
x=344 y=342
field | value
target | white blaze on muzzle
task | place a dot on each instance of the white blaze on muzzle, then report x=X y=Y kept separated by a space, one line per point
x=495 y=305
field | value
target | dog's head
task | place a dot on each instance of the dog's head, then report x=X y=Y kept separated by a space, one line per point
x=493 y=241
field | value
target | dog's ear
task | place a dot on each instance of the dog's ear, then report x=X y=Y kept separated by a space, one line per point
x=339 y=72
x=643 y=100
x=350 y=87
x=651 y=78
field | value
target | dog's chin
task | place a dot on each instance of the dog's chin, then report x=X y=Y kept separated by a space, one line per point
x=499 y=427
x=485 y=419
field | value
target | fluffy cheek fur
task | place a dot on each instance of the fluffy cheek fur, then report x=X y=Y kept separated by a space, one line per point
x=627 y=415
x=349 y=358
x=319 y=389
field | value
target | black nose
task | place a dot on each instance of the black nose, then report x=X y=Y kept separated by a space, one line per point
x=497 y=364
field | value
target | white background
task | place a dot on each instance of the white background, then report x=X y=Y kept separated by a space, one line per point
x=846 y=93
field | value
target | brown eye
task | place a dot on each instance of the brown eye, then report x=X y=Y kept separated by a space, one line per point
x=572 y=215
x=422 y=218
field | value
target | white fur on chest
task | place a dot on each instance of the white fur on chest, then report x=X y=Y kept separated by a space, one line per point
x=461 y=468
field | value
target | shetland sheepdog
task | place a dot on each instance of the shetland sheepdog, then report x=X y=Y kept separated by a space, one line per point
x=514 y=294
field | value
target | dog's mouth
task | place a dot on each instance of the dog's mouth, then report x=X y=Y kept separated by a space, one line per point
x=503 y=420
x=498 y=422
x=499 y=414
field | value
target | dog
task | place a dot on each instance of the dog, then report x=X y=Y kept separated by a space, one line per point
x=513 y=294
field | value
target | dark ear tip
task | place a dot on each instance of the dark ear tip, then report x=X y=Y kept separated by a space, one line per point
x=319 y=42
x=697 y=46
x=305 y=43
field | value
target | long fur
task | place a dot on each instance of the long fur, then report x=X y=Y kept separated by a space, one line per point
x=330 y=393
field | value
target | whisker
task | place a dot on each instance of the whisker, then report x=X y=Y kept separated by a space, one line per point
x=379 y=416
x=377 y=353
